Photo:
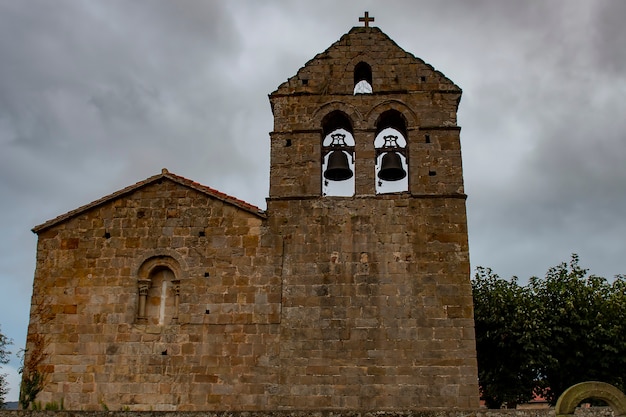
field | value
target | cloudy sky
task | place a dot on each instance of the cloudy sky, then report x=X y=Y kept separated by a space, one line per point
x=97 y=95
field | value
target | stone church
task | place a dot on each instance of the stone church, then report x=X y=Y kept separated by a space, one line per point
x=351 y=291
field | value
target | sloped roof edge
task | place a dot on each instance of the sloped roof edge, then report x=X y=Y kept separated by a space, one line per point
x=165 y=174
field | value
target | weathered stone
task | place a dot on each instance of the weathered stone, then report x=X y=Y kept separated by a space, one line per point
x=169 y=295
x=574 y=395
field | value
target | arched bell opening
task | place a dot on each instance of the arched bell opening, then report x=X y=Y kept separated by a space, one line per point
x=337 y=155
x=392 y=165
x=362 y=78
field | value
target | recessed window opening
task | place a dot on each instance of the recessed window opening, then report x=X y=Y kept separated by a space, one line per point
x=362 y=78
x=391 y=154
x=161 y=296
x=337 y=155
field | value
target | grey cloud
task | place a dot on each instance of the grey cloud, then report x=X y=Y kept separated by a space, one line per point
x=97 y=95
x=609 y=35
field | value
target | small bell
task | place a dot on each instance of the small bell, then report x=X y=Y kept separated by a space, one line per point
x=338 y=168
x=391 y=167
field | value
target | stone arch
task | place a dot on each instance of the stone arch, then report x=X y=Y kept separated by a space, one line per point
x=158 y=282
x=571 y=397
x=338 y=145
x=148 y=266
x=336 y=119
x=392 y=118
x=372 y=116
x=392 y=159
x=351 y=111
x=362 y=66
x=168 y=256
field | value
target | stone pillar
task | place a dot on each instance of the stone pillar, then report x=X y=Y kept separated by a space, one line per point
x=176 y=287
x=144 y=286
x=365 y=181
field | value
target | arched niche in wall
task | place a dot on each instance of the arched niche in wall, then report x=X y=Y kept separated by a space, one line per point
x=159 y=291
x=392 y=165
x=337 y=155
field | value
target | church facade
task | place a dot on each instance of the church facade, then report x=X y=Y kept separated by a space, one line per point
x=350 y=292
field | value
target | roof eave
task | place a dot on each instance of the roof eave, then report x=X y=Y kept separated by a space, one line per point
x=165 y=174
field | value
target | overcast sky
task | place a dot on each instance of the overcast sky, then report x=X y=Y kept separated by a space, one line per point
x=95 y=96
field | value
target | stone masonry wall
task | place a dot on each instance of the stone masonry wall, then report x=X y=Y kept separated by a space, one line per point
x=377 y=309
x=166 y=298
x=580 y=412
x=377 y=303
x=221 y=345
x=426 y=100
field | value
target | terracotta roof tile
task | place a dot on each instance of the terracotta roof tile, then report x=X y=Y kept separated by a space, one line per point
x=164 y=174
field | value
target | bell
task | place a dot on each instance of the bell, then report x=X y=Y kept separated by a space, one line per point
x=391 y=167
x=338 y=168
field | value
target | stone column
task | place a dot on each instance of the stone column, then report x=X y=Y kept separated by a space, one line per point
x=176 y=287
x=365 y=178
x=144 y=286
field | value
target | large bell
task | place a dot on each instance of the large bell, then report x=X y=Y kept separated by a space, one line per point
x=338 y=168
x=391 y=167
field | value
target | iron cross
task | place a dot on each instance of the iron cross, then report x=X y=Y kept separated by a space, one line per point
x=367 y=19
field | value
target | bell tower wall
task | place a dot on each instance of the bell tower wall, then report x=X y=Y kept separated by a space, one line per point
x=433 y=141
x=377 y=308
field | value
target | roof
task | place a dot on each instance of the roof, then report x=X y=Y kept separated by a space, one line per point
x=398 y=68
x=165 y=174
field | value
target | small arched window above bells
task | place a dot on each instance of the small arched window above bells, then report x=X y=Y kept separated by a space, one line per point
x=392 y=164
x=337 y=155
x=362 y=78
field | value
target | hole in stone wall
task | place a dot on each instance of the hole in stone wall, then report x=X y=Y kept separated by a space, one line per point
x=287 y=143
x=422 y=79
x=164 y=352
x=107 y=235
x=432 y=173
x=305 y=81
x=201 y=233
x=207 y=311
x=206 y=274
x=427 y=137
x=141 y=214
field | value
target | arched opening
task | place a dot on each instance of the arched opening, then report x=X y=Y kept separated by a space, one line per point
x=362 y=78
x=159 y=292
x=392 y=166
x=337 y=155
x=160 y=297
x=575 y=394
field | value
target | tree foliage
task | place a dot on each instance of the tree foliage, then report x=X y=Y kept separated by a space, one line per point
x=556 y=331
x=505 y=347
x=4 y=359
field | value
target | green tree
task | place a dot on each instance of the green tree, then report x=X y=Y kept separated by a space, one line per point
x=557 y=331
x=505 y=330
x=585 y=321
x=4 y=359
